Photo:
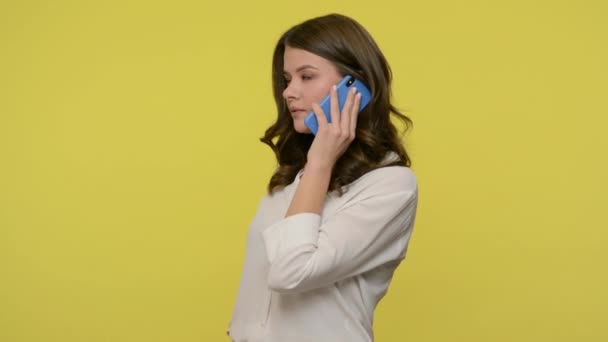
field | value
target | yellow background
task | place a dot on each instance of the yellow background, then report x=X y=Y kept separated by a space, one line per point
x=130 y=165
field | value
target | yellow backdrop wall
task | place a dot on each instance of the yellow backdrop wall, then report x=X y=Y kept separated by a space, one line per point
x=130 y=165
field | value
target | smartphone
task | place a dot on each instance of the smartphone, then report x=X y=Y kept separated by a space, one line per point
x=342 y=88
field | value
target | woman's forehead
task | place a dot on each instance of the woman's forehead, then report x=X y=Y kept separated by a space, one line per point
x=295 y=60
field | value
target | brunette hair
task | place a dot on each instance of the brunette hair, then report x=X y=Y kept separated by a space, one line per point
x=348 y=45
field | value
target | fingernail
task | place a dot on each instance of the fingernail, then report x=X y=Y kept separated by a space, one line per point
x=334 y=86
x=353 y=90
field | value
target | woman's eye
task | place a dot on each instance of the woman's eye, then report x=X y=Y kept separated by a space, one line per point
x=304 y=78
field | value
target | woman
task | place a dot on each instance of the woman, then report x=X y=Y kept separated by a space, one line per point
x=340 y=208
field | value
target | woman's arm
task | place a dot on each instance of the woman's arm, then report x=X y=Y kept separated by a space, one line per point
x=306 y=251
x=331 y=142
x=311 y=191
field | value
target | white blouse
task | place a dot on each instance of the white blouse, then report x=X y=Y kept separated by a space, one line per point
x=318 y=278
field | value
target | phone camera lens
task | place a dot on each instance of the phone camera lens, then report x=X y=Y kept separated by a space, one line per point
x=350 y=81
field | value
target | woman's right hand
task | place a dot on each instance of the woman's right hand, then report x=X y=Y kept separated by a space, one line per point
x=333 y=139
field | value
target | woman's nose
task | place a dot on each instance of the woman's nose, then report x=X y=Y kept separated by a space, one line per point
x=291 y=91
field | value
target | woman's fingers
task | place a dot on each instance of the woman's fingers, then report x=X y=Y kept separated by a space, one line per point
x=347 y=111
x=355 y=115
x=320 y=114
x=334 y=105
x=344 y=122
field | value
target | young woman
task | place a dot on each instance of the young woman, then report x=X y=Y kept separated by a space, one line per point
x=336 y=222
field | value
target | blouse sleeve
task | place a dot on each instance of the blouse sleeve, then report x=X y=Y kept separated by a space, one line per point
x=305 y=253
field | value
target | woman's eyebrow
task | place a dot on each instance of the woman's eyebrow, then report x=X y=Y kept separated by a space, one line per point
x=306 y=66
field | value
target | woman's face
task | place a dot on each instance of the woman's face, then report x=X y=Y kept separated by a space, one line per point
x=309 y=78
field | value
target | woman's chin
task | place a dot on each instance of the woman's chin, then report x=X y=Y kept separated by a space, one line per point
x=300 y=127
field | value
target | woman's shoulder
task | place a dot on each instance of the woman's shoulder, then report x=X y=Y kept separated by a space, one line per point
x=387 y=179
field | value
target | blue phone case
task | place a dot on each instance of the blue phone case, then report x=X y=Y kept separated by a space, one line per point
x=343 y=87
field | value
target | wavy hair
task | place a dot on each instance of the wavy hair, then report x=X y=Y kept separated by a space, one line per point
x=348 y=45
